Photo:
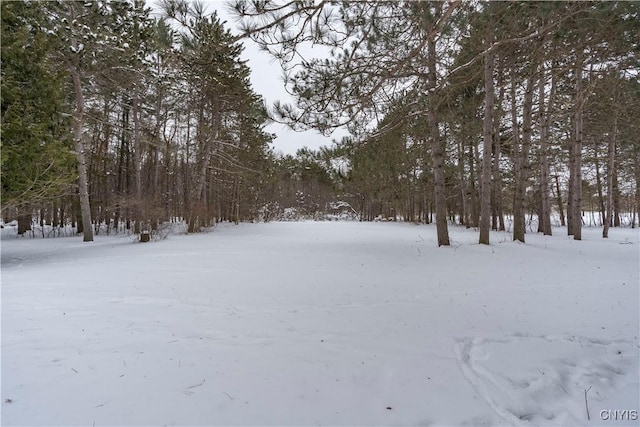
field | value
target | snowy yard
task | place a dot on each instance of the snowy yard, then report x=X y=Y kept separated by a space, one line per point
x=328 y=323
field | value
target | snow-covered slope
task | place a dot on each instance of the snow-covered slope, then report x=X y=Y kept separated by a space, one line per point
x=334 y=323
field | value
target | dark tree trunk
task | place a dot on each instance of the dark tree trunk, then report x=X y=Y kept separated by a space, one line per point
x=138 y=206
x=485 y=203
x=522 y=173
x=601 y=201
x=570 y=188
x=545 y=123
x=637 y=175
x=464 y=214
x=24 y=223
x=498 y=214
x=577 y=154
x=474 y=214
x=611 y=155
x=616 y=197
x=438 y=151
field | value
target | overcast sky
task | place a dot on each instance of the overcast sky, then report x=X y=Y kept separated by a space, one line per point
x=266 y=78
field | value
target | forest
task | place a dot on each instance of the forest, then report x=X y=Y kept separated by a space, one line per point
x=382 y=279
x=490 y=115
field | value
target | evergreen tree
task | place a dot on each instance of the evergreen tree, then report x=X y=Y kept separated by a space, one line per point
x=37 y=165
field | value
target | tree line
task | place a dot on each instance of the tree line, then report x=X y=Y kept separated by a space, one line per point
x=113 y=119
x=469 y=110
x=474 y=113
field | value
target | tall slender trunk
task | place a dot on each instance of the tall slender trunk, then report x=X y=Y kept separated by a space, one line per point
x=440 y=200
x=517 y=158
x=139 y=213
x=464 y=215
x=577 y=153
x=485 y=202
x=438 y=151
x=570 y=187
x=206 y=160
x=54 y=215
x=498 y=214
x=121 y=163
x=209 y=133
x=637 y=175
x=559 y=202
x=611 y=155
x=519 y=223
x=137 y=165
x=601 y=201
x=186 y=184
x=236 y=200
x=474 y=214
x=168 y=180
x=545 y=123
x=158 y=143
x=83 y=182
x=616 y=197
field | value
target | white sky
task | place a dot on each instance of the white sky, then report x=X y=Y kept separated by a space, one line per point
x=266 y=78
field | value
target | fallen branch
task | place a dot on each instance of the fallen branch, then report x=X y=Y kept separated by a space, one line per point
x=197 y=385
x=587 y=403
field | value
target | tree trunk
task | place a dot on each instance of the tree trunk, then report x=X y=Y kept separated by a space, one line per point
x=186 y=184
x=168 y=180
x=156 y=151
x=474 y=214
x=83 y=184
x=611 y=154
x=24 y=223
x=517 y=158
x=637 y=174
x=545 y=123
x=438 y=151
x=61 y=214
x=485 y=210
x=464 y=215
x=616 y=197
x=209 y=136
x=601 y=201
x=137 y=165
x=498 y=214
x=577 y=154
x=559 y=202
x=54 y=215
x=522 y=175
x=570 y=188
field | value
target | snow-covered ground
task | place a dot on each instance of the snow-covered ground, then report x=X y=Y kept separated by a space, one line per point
x=327 y=323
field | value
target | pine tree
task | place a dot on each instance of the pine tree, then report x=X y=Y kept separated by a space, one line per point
x=36 y=161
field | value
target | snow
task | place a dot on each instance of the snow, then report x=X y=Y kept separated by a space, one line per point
x=77 y=49
x=321 y=323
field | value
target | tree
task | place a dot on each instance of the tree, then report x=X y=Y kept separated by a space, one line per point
x=545 y=113
x=164 y=123
x=487 y=148
x=36 y=163
x=377 y=50
x=227 y=115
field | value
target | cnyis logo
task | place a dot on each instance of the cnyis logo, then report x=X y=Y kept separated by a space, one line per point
x=618 y=415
